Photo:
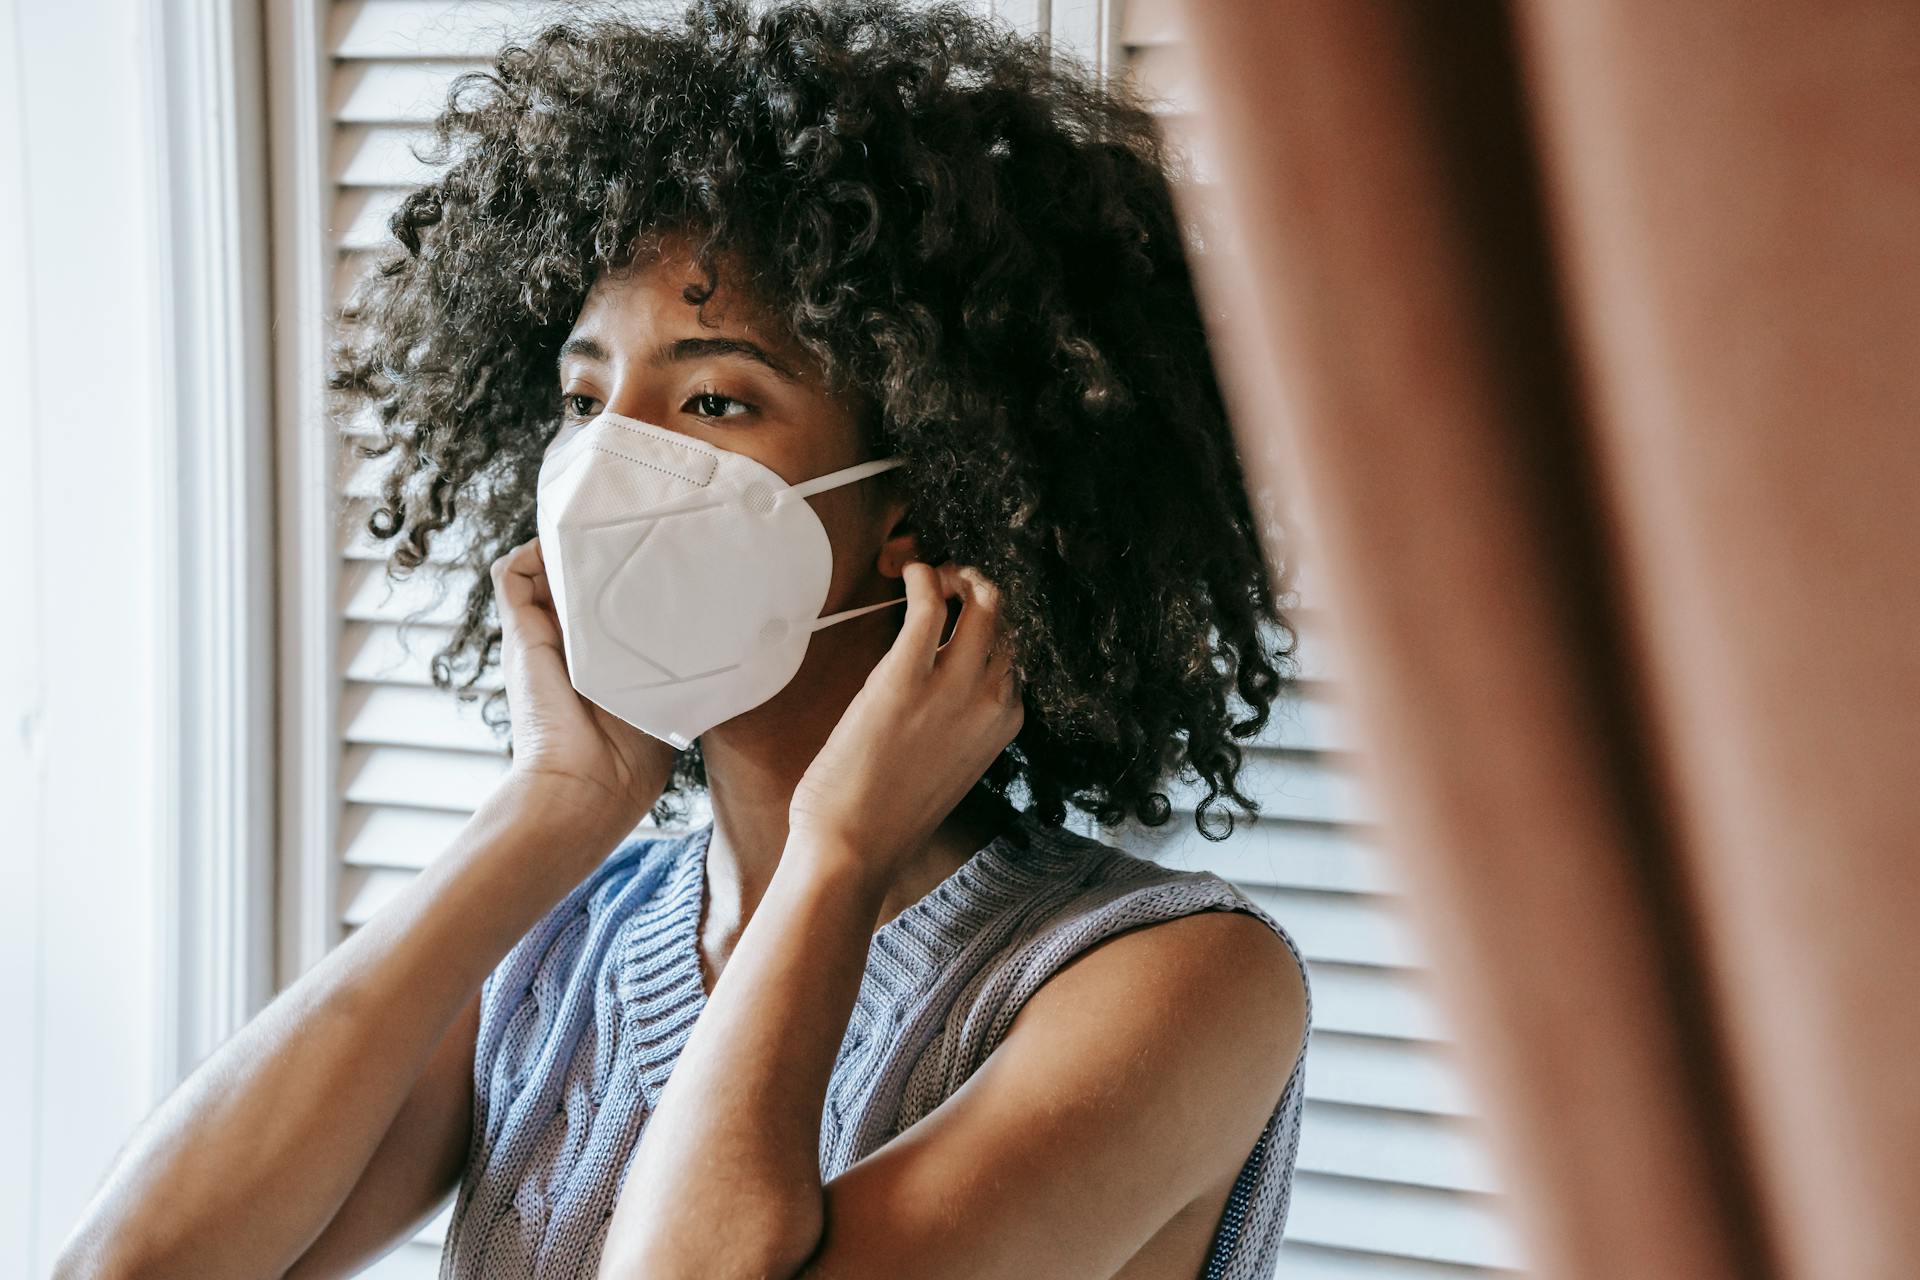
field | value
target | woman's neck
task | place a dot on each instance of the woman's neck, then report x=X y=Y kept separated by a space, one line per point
x=756 y=760
x=751 y=778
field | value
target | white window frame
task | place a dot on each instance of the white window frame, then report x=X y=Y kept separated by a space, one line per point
x=215 y=917
x=309 y=685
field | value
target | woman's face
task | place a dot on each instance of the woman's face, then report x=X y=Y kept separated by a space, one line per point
x=737 y=382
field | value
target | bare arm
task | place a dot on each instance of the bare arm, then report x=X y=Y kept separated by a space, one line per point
x=413 y=1169
x=275 y=1128
x=344 y=1081
x=736 y=1134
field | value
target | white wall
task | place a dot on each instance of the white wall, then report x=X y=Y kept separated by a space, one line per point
x=80 y=664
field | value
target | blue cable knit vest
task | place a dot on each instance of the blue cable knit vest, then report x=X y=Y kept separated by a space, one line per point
x=581 y=1023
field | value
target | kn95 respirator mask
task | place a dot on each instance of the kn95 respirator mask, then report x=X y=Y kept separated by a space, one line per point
x=687 y=578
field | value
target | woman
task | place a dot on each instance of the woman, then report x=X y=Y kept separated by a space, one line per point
x=881 y=1015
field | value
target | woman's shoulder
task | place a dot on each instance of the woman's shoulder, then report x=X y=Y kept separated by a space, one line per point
x=1116 y=889
x=1078 y=919
x=1089 y=890
x=1216 y=994
x=1220 y=946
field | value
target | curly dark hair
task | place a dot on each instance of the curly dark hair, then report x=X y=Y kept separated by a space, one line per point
x=977 y=233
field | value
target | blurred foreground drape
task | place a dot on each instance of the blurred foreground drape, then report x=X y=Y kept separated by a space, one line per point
x=1590 y=332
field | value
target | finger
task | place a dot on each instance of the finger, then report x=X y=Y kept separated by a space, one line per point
x=513 y=577
x=542 y=589
x=519 y=585
x=919 y=636
x=988 y=617
x=971 y=644
x=952 y=597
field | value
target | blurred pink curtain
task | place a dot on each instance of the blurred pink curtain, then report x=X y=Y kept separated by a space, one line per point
x=1592 y=332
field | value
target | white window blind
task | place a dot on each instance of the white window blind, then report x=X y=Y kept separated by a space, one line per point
x=1392 y=1183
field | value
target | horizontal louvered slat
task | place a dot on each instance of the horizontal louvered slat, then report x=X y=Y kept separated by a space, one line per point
x=361 y=425
x=1369 y=1000
x=1401 y=1147
x=360 y=214
x=1308 y=718
x=396 y=92
x=356 y=542
x=366 y=595
x=398 y=839
x=414 y=1260
x=1314 y=658
x=1300 y=786
x=382 y=653
x=456 y=780
x=1316 y=1262
x=1079 y=30
x=436 y=1230
x=1371 y=1071
x=374 y=155
x=361 y=477
x=1401 y=1220
x=1342 y=928
x=1269 y=851
x=407 y=840
x=364 y=890
x=430 y=29
x=407 y=716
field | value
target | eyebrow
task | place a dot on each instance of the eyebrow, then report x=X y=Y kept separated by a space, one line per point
x=682 y=350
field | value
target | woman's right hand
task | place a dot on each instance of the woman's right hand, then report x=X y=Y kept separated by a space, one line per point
x=561 y=740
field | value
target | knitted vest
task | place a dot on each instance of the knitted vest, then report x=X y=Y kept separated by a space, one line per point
x=581 y=1023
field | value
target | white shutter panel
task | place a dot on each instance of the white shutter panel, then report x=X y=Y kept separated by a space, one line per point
x=1392 y=1181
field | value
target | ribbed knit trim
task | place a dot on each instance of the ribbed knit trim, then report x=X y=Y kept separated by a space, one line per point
x=657 y=957
x=656 y=963
x=917 y=943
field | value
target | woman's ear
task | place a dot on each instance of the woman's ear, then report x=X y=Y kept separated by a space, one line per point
x=902 y=544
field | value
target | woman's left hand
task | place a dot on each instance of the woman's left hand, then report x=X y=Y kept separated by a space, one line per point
x=928 y=722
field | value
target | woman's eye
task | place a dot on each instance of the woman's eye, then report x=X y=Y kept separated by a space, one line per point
x=707 y=404
x=706 y=399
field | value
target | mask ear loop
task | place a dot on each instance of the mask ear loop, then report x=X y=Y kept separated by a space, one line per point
x=833 y=480
x=846 y=475
x=844 y=614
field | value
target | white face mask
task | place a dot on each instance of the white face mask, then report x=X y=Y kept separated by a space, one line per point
x=688 y=579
